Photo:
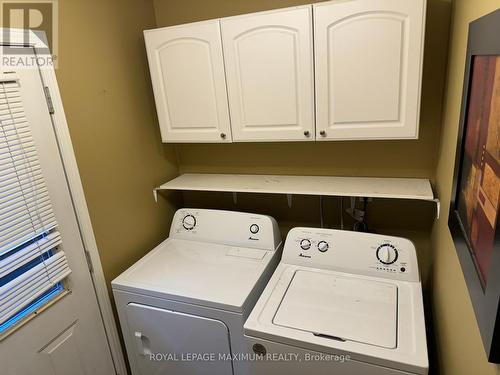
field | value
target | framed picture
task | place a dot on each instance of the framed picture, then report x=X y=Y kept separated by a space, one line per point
x=475 y=202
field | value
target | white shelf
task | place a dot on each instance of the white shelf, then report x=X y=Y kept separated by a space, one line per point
x=371 y=187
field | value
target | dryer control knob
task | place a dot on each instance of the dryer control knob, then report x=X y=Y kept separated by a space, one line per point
x=254 y=228
x=305 y=244
x=323 y=246
x=189 y=222
x=387 y=254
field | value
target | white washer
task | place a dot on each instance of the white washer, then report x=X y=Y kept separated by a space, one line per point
x=185 y=302
x=341 y=302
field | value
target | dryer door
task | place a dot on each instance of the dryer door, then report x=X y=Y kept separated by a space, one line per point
x=170 y=342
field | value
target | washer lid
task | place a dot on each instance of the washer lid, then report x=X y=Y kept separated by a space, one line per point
x=342 y=308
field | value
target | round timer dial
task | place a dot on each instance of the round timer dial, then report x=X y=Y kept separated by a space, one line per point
x=254 y=229
x=189 y=222
x=387 y=254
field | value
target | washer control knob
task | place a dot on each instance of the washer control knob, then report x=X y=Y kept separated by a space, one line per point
x=305 y=244
x=323 y=246
x=387 y=254
x=189 y=222
x=254 y=229
x=259 y=349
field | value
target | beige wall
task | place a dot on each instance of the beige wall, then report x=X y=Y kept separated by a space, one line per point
x=459 y=347
x=105 y=87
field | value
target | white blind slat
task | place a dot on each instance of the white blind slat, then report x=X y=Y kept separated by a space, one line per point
x=18 y=157
x=22 y=208
x=23 y=230
x=21 y=291
x=16 y=148
x=9 y=291
x=28 y=253
x=27 y=172
x=46 y=269
x=28 y=234
x=21 y=180
x=35 y=216
x=13 y=190
x=20 y=200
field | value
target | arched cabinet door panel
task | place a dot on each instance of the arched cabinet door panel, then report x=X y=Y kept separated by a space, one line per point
x=269 y=70
x=187 y=73
x=368 y=62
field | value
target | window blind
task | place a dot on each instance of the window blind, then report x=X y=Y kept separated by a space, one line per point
x=32 y=262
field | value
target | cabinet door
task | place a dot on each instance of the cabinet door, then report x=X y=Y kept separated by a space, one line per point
x=187 y=72
x=269 y=72
x=368 y=56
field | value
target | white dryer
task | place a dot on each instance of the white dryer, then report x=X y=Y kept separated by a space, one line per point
x=183 y=305
x=340 y=302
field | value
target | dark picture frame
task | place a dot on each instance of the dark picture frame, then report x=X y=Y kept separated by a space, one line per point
x=481 y=272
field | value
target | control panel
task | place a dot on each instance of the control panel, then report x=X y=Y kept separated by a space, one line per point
x=352 y=252
x=226 y=227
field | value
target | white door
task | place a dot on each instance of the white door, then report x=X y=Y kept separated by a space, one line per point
x=187 y=72
x=368 y=57
x=64 y=333
x=269 y=72
x=157 y=332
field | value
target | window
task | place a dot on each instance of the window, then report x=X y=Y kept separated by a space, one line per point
x=32 y=263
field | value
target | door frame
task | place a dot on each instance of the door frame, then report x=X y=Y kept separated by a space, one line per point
x=37 y=40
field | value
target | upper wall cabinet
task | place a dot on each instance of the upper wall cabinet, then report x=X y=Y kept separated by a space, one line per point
x=368 y=56
x=253 y=77
x=269 y=73
x=187 y=71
